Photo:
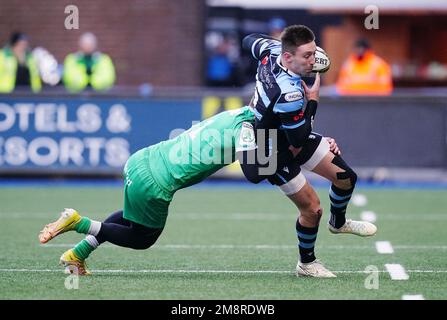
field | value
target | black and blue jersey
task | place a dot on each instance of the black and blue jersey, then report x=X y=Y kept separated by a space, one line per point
x=278 y=100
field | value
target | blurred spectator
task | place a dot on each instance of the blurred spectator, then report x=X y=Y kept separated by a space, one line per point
x=88 y=67
x=49 y=70
x=221 y=69
x=18 y=68
x=364 y=73
x=276 y=26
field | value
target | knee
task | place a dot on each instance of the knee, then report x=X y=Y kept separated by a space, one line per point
x=312 y=210
x=147 y=239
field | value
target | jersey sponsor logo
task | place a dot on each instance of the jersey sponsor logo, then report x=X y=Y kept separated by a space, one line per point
x=293 y=96
x=247 y=138
x=265 y=60
x=298 y=116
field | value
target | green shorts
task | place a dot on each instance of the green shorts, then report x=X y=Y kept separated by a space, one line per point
x=144 y=201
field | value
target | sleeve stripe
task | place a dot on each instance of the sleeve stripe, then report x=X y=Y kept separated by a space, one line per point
x=253 y=47
x=299 y=124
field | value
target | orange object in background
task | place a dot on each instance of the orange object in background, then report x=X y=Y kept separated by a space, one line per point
x=364 y=73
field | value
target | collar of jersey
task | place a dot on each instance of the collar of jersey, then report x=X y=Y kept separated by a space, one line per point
x=289 y=72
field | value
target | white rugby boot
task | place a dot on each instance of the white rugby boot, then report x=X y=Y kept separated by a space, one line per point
x=360 y=228
x=313 y=269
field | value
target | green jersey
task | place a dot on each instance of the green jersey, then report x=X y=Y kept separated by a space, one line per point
x=153 y=174
x=202 y=150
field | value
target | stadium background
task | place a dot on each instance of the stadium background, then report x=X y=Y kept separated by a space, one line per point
x=397 y=144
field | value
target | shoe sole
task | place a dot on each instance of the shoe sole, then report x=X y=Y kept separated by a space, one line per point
x=304 y=274
x=356 y=234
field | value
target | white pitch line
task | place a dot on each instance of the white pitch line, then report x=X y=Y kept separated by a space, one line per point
x=384 y=247
x=369 y=216
x=202 y=271
x=396 y=271
x=265 y=216
x=251 y=246
x=413 y=297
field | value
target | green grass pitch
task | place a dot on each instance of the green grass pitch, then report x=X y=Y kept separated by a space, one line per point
x=225 y=243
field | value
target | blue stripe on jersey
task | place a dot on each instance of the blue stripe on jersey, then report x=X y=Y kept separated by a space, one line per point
x=299 y=124
x=288 y=106
x=254 y=46
x=262 y=94
x=257 y=114
x=259 y=47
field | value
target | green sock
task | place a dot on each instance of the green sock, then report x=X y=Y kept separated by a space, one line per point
x=83 y=249
x=83 y=226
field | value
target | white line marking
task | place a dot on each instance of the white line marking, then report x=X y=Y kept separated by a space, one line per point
x=369 y=216
x=413 y=297
x=201 y=271
x=249 y=246
x=396 y=271
x=359 y=200
x=384 y=247
x=438 y=216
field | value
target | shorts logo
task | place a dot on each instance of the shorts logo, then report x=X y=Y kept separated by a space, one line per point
x=293 y=96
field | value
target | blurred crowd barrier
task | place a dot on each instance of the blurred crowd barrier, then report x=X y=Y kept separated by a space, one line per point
x=94 y=134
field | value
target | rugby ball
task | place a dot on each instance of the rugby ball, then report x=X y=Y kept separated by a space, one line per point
x=322 y=61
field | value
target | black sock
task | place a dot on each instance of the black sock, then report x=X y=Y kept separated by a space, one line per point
x=306 y=242
x=339 y=202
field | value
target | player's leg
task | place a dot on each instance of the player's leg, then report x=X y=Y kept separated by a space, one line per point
x=114 y=229
x=332 y=167
x=293 y=184
x=140 y=223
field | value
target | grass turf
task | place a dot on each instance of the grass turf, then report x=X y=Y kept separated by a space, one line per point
x=216 y=242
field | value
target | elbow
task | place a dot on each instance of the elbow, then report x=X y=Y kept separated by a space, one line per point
x=248 y=41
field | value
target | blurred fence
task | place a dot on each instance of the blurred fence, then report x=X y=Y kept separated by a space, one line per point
x=94 y=134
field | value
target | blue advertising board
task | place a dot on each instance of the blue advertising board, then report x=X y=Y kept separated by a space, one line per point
x=85 y=135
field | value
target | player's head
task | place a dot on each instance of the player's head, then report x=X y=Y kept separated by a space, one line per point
x=19 y=41
x=87 y=43
x=360 y=47
x=298 y=49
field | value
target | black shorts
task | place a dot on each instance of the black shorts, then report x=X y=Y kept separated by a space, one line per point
x=313 y=151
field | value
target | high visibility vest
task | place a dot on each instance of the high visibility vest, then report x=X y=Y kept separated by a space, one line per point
x=8 y=71
x=76 y=78
x=369 y=76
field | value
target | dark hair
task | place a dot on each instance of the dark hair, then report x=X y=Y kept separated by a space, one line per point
x=295 y=36
x=16 y=37
x=362 y=43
